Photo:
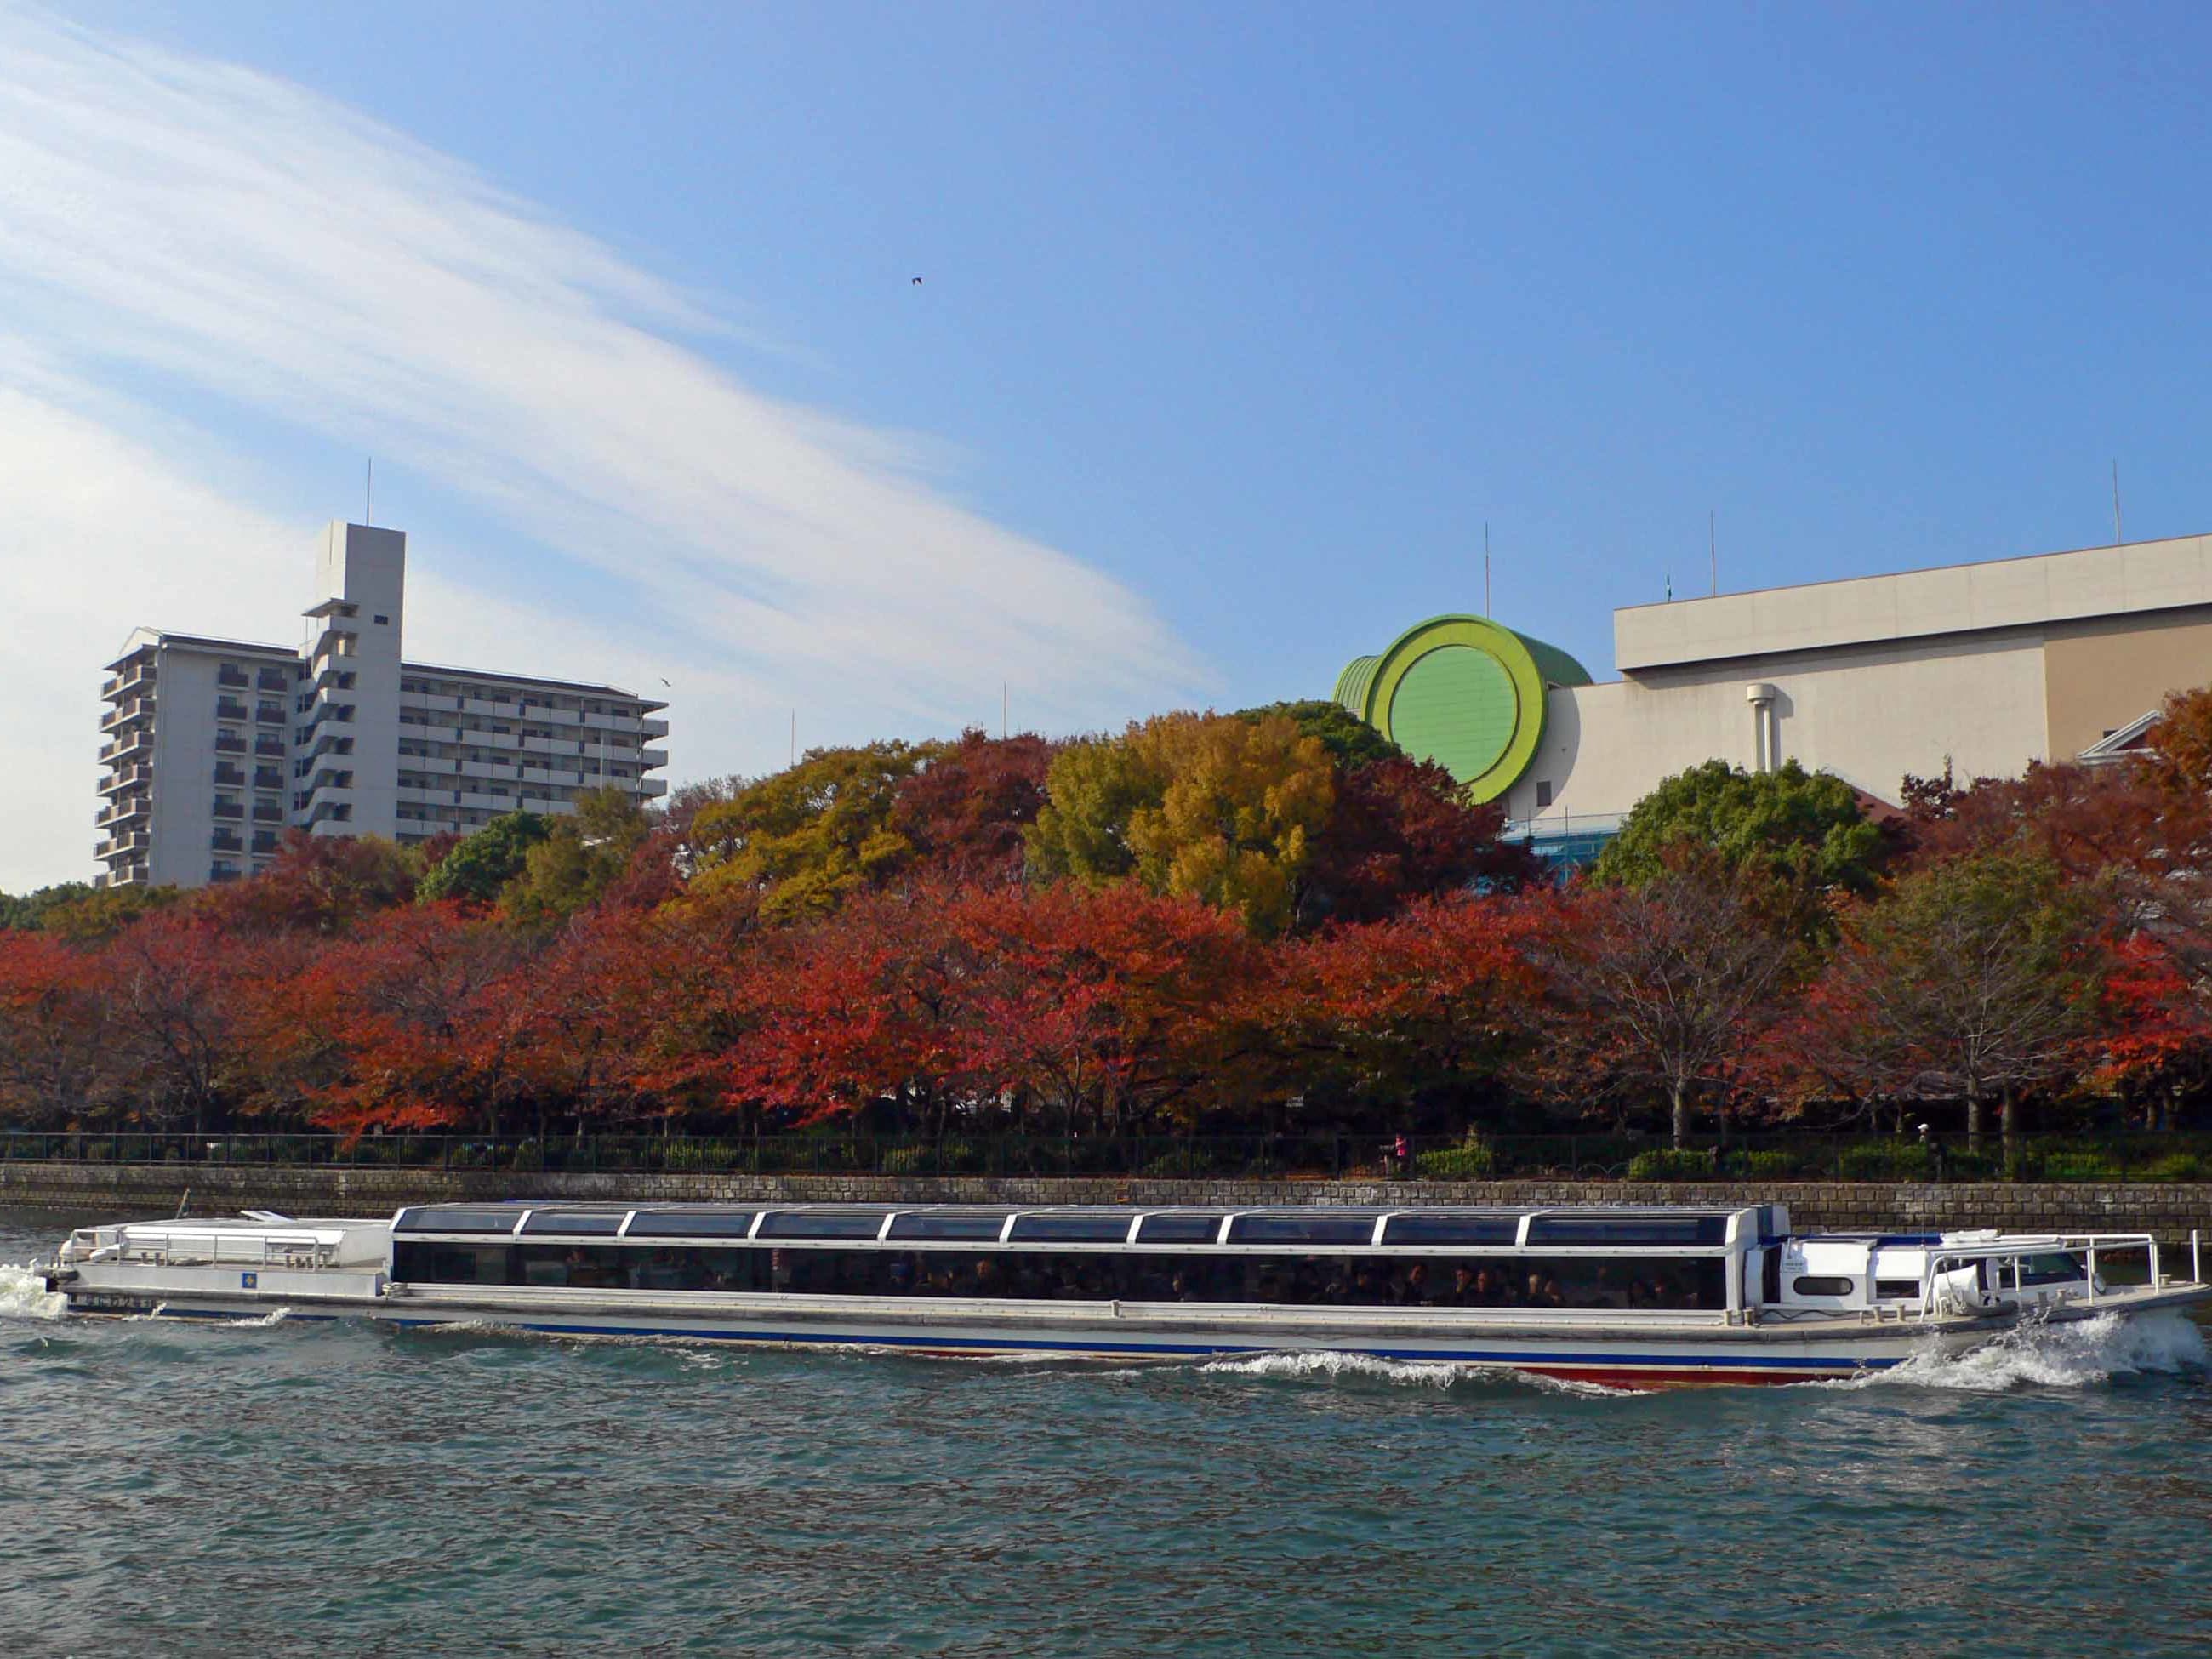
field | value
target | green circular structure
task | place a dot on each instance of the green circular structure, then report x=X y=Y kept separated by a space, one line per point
x=1462 y=691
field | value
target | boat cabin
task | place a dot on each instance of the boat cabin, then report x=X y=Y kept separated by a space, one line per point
x=1678 y=1261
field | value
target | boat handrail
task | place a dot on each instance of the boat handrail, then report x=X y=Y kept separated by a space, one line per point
x=193 y=1249
x=1948 y=1258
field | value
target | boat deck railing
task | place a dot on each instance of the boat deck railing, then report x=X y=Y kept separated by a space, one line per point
x=211 y=1247
x=2016 y=1249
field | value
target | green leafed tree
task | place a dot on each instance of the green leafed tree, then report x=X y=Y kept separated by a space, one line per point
x=1805 y=829
x=808 y=837
x=480 y=868
x=579 y=858
x=27 y=914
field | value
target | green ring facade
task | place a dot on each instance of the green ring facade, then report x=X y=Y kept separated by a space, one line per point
x=1463 y=691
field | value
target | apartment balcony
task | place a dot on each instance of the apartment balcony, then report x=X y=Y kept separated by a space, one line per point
x=226 y=841
x=264 y=843
x=123 y=845
x=228 y=809
x=126 y=714
x=222 y=871
x=270 y=748
x=131 y=742
x=485 y=803
x=237 y=677
x=272 y=679
x=227 y=709
x=122 y=811
x=227 y=744
x=271 y=713
x=652 y=728
x=650 y=788
x=331 y=778
x=228 y=776
x=126 y=777
x=265 y=814
x=652 y=757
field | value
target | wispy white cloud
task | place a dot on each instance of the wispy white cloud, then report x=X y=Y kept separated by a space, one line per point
x=171 y=220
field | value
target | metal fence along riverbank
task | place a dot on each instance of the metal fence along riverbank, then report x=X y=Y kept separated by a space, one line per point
x=1590 y=1157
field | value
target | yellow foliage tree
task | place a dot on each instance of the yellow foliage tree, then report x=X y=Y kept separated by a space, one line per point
x=1209 y=806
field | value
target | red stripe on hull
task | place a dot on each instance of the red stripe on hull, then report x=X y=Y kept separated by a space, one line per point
x=1650 y=1377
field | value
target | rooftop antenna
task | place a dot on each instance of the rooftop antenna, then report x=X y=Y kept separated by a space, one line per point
x=1005 y=702
x=1486 y=568
x=368 y=493
x=1713 y=547
x=2116 y=501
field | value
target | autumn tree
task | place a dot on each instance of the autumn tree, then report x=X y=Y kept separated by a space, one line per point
x=1429 y=1006
x=1351 y=741
x=1205 y=806
x=965 y=810
x=1973 y=979
x=57 y=1055
x=1401 y=831
x=317 y=884
x=2176 y=754
x=1664 y=985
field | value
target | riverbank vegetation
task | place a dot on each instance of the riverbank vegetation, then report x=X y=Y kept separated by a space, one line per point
x=1263 y=924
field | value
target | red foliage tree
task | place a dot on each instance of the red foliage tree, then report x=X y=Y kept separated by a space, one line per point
x=1399 y=830
x=965 y=810
x=1439 y=997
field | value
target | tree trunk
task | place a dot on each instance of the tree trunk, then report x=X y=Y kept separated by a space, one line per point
x=2008 y=1115
x=1678 y=1095
x=1973 y=1120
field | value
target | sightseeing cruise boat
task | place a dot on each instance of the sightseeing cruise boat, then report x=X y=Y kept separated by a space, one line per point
x=1625 y=1296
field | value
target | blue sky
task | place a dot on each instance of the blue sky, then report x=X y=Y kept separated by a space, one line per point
x=1235 y=325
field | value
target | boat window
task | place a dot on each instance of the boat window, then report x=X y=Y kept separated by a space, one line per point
x=1071 y=1229
x=1318 y=1228
x=432 y=1219
x=1627 y=1229
x=588 y=1224
x=1179 y=1229
x=449 y=1264
x=1895 y=1288
x=1808 y=1285
x=1285 y=1278
x=1451 y=1229
x=821 y=1223
x=692 y=1224
x=2051 y=1269
x=977 y=1227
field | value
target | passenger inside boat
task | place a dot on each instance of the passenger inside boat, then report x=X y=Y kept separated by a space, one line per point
x=1308 y=1279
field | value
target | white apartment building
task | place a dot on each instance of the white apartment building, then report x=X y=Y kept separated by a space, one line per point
x=214 y=747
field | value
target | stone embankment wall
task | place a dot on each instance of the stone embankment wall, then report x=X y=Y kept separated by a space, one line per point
x=2169 y=1210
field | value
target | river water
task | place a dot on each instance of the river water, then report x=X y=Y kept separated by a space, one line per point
x=283 y=1488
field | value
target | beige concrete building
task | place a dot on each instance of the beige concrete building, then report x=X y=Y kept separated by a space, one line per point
x=1991 y=665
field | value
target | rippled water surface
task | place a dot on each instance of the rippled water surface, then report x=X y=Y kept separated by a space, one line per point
x=278 y=1488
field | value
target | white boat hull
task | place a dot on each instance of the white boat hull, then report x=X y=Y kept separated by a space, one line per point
x=1649 y=1354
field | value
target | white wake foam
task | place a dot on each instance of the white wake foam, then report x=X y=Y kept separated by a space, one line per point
x=2080 y=1354
x=1329 y=1364
x=23 y=1295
